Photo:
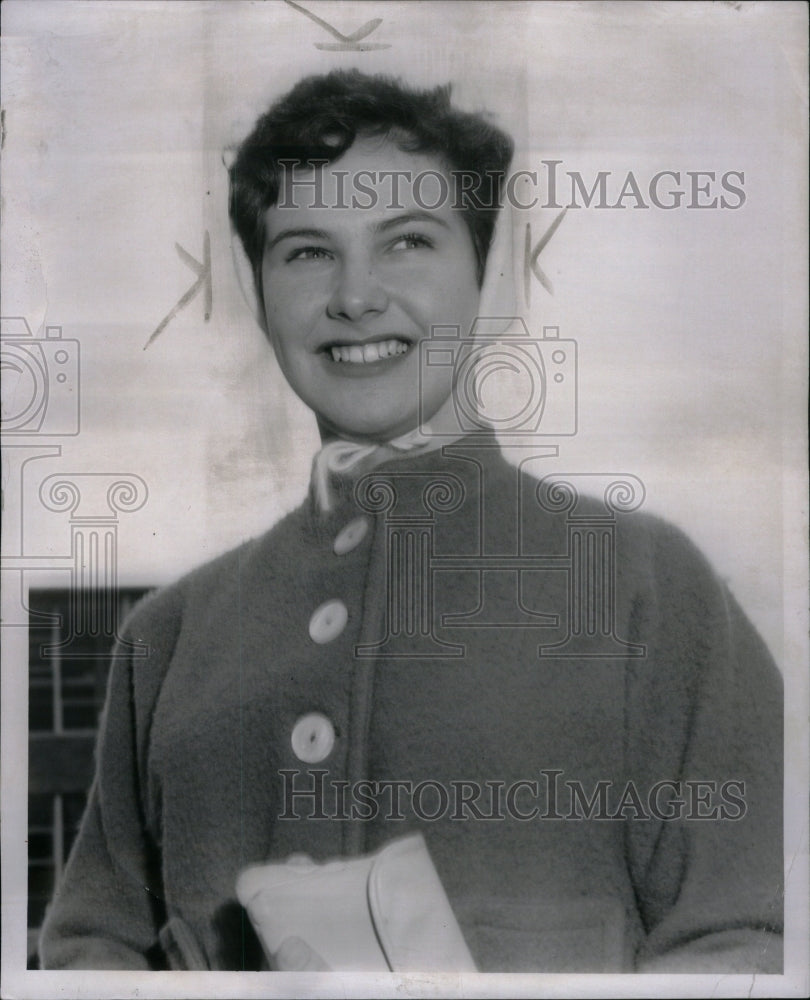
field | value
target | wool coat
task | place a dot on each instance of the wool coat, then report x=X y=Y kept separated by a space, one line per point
x=560 y=695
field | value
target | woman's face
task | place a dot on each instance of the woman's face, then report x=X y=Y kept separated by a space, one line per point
x=350 y=292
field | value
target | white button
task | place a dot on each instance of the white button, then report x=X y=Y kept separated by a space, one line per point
x=313 y=737
x=328 y=621
x=351 y=536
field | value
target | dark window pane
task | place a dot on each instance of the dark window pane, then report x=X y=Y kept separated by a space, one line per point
x=78 y=715
x=40 y=709
x=40 y=890
x=40 y=845
x=40 y=811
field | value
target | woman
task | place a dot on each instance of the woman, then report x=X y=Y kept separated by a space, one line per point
x=363 y=671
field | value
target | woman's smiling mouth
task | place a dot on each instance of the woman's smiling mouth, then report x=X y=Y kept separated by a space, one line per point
x=377 y=350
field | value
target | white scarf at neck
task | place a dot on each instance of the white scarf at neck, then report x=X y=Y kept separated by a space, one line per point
x=339 y=457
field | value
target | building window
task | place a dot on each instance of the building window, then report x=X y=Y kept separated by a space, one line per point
x=67 y=680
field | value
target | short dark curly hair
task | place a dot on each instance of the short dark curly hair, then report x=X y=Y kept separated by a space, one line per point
x=320 y=118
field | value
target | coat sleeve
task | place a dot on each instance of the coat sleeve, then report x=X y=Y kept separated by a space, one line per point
x=108 y=910
x=705 y=712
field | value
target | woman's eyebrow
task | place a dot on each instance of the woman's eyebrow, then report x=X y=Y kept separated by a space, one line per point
x=287 y=234
x=408 y=217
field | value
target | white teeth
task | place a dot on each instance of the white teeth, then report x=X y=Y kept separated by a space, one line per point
x=361 y=354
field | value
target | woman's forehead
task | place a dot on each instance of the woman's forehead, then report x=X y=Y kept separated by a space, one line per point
x=373 y=186
x=373 y=173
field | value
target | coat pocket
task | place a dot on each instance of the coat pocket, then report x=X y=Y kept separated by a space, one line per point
x=182 y=950
x=572 y=935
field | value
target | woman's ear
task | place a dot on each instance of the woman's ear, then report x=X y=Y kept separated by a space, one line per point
x=229 y=154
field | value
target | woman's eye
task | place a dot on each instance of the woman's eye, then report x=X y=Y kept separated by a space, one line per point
x=308 y=253
x=411 y=241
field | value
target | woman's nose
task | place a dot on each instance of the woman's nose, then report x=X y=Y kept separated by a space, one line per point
x=357 y=292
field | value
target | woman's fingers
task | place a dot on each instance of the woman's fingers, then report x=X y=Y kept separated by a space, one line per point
x=295 y=955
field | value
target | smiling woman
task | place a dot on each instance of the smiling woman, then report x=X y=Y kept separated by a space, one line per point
x=350 y=293
x=559 y=703
x=348 y=288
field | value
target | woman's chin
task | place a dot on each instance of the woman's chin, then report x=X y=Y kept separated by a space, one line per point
x=372 y=429
x=380 y=420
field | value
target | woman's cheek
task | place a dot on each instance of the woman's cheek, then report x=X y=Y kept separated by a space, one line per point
x=291 y=308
